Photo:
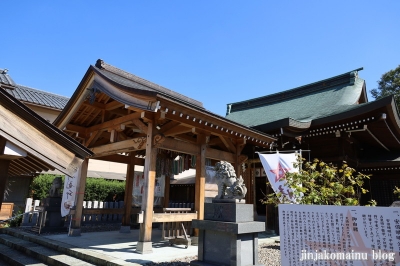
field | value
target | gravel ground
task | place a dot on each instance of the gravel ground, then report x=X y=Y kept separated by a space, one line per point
x=268 y=254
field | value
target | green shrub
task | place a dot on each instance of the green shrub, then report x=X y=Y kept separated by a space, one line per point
x=320 y=183
x=104 y=190
x=96 y=188
x=41 y=185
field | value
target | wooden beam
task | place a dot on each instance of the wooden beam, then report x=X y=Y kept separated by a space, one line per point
x=40 y=163
x=228 y=144
x=93 y=138
x=188 y=117
x=116 y=158
x=177 y=130
x=121 y=146
x=215 y=141
x=114 y=122
x=15 y=169
x=186 y=138
x=147 y=117
x=97 y=105
x=26 y=168
x=178 y=146
x=169 y=217
x=220 y=155
x=189 y=148
x=133 y=108
x=168 y=126
x=113 y=105
x=143 y=128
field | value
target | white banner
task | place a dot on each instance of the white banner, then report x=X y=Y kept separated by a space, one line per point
x=276 y=166
x=69 y=193
x=339 y=235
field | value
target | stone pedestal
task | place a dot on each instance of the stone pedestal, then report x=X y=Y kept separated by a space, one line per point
x=228 y=235
x=50 y=215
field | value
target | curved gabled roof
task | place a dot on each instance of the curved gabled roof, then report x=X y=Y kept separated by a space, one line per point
x=133 y=82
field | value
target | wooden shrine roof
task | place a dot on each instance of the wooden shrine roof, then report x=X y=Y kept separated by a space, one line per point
x=109 y=111
x=47 y=147
x=31 y=96
x=299 y=107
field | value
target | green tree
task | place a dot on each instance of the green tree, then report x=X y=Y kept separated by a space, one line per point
x=320 y=183
x=389 y=84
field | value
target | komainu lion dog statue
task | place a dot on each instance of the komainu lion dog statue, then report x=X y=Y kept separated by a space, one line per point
x=229 y=185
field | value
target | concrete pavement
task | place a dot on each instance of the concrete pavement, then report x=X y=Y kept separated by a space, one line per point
x=122 y=246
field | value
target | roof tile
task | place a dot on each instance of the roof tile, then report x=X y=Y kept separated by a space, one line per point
x=302 y=104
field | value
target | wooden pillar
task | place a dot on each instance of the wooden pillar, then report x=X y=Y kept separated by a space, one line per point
x=80 y=193
x=4 y=164
x=166 y=191
x=250 y=185
x=144 y=244
x=238 y=166
x=130 y=174
x=200 y=181
x=240 y=144
x=254 y=187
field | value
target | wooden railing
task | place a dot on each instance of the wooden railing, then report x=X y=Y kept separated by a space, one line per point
x=176 y=224
x=111 y=212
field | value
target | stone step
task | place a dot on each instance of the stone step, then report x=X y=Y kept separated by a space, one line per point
x=47 y=255
x=9 y=256
x=80 y=253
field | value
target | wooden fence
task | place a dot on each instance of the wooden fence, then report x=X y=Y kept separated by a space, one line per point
x=97 y=212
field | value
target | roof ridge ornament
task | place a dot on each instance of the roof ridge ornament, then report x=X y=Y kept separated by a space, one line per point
x=99 y=63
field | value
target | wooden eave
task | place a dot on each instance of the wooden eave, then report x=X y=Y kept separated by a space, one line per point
x=212 y=123
x=376 y=125
x=47 y=147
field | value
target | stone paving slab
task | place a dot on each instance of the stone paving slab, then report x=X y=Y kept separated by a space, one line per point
x=113 y=248
x=122 y=246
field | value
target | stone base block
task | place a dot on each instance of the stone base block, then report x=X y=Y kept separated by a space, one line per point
x=195 y=240
x=235 y=201
x=125 y=229
x=144 y=247
x=201 y=263
x=229 y=212
x=74 y=232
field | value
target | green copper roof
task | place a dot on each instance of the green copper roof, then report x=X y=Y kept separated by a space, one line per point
x=304 y=104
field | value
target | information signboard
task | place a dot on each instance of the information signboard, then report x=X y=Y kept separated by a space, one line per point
x=339 y=235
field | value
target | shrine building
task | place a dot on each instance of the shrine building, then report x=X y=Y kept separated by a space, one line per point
x=126 y=119
x=332 y=120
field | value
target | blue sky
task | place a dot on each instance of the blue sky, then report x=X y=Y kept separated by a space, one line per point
x=217 y=52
